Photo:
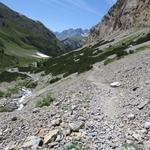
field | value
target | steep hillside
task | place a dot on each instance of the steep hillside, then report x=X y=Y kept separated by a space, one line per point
x=73 y=38
x=20 y=32
x=124 y=15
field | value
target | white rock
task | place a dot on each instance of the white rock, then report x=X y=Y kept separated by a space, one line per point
x=137 y=136
x=66 y=132
x=131 y=116
x=56 y=122
x=76 y=126
x=31 y=142
x=147 y=125
x=115 y=84
x=51 y=136
x=142 y=104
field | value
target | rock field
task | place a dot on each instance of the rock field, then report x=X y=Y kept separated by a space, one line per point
x=87 y=113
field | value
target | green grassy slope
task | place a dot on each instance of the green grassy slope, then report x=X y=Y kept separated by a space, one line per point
x=27 y=33
x=21 y=37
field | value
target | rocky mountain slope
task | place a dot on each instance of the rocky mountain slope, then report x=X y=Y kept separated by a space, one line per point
x=93 y=98
x=73 y=38
x=104 y=108
x=19 y=32
x=124 y=15
x=87 y=112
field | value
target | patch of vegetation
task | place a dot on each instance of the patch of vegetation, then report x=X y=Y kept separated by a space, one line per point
x=141 y=48
x=66 y=75
x=129 y=146
x=46 y=101
x=3 y=108
x=29 y=83
x=65 y=108
x=11 y=91
x=108 y=61
x=2 y=94
x=7 y=60
x=75 y=146
x=141 y=39
x=54 y=80
x=9 y=77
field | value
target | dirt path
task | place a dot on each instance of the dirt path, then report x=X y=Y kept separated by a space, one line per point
x=109 y=97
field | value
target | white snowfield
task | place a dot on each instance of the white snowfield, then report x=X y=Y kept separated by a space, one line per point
x=40 y=55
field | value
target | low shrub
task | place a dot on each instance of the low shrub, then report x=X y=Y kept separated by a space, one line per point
x=54 y=80
x=108 y=61
x=46 y=101
x=11 y=91
x=29 y=83
x=121 y=54
x=9 y=77
x=75 y=146
x=66 y=74
x=3 y=108
x=2 y=94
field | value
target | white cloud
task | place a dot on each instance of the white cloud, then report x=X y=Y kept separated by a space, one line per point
x=82 y=4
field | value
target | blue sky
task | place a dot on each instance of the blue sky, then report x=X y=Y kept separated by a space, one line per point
x=59 y=15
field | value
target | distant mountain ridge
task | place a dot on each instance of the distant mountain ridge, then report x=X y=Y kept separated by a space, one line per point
x=71 y=32
x=73 y=38
x=123 y=16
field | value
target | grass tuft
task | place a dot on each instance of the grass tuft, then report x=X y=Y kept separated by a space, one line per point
x=75 y=146
x=46 y=101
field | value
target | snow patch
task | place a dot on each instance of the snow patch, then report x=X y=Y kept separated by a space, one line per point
x=40 y=55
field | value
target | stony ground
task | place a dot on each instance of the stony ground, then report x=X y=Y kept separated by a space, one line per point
x=87 y=112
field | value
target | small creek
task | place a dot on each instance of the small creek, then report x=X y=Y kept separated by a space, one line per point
x=26 y=93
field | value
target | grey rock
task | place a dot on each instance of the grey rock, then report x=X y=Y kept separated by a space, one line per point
x=11 y=106
x=31 y=142
x=76 y=126
x=14 y=119
x=51 y=136
x=36 y=110
x=131 y=116
x=56 y=122
x=142 y=104
x=147 y=125
x=66 y=132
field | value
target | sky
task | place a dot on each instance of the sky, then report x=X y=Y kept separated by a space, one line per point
x=58 y=15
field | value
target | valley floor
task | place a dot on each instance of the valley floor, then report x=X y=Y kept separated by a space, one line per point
x=87 y=112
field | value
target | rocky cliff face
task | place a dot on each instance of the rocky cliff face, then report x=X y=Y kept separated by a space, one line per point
x=124 y=15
